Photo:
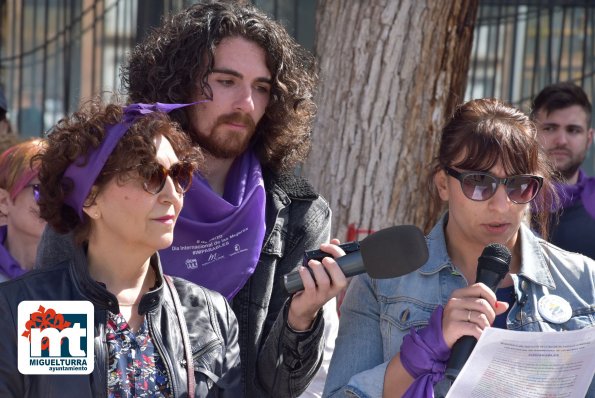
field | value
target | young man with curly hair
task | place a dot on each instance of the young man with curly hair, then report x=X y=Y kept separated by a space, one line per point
x=247 y=219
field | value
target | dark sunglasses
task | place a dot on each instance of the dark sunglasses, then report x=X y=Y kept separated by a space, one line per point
x=155 y=175
x=35 y=188
x=478 y=185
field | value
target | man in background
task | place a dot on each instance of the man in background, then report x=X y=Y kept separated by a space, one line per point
x=8 y=137
x=562 y=115
x=247 y=219
x=4 y=122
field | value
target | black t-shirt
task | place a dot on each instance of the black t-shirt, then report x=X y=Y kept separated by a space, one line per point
x=505 y=294
x=575 y=231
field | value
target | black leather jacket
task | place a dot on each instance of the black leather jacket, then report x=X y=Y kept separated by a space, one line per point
x=212 y=330
x=297 y=219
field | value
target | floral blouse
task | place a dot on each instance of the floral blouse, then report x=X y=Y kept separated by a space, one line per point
x=135 y=368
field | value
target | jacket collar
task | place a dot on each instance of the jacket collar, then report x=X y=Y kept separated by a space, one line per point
x=60 y=248
x=281 y=190
x=288 y=186
x=534 y=265
x=438 y=255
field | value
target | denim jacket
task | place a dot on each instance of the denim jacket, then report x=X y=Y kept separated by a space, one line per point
x=297 y=219
x=376 y=314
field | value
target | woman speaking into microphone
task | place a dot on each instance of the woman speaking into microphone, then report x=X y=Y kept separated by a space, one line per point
x=396 y=335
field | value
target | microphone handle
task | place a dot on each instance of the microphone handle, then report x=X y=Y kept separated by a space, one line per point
x=351 y=264
x=462 y=348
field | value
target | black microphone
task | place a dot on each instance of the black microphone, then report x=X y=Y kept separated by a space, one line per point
x=492 y=267
x=387 y=253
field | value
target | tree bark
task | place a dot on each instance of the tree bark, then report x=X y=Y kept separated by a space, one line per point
x=392 y=72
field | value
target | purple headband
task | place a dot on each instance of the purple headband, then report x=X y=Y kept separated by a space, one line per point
x=84 y=173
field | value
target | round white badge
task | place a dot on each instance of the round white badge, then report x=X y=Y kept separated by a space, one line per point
x=554 y=309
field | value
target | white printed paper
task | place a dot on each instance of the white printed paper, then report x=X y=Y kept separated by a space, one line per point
x=508 y=363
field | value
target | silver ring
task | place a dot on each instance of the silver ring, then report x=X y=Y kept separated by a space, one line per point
x=469 y=316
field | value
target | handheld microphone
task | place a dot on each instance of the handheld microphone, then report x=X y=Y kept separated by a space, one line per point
x=492 y=267
x=388 y=253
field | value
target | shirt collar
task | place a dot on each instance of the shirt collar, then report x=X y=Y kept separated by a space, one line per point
x=533 y=265
x=438 y=255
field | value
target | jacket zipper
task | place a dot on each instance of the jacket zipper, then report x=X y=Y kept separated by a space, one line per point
x=164 y=357
x=105 y=351
x=206 y=348
x=105 y=361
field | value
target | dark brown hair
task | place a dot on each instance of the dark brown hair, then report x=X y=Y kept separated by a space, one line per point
x=560 y=96
x=75 y=135
x=181 y=50
x=485 y=132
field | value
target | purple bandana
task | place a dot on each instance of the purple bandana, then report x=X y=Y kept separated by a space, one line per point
x=217 y=240
x=583 y=190
x=84 y=171
x=8 y=265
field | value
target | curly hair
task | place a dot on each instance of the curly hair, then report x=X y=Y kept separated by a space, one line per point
x=488 y=131
x=181 y=50
x=75 y=135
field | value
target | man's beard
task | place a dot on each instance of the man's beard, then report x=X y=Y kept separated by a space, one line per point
x=227 y=145
x=569 y=170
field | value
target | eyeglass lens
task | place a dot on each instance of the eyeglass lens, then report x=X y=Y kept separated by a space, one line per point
x=155 y=177
x=35 y=188
x=520 y=189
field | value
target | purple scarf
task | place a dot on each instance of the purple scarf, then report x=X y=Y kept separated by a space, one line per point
x=84 y=170
x=583 y=190
x=217 y=240
x=8 y=265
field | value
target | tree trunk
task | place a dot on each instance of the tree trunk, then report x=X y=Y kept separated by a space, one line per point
x=392 y=71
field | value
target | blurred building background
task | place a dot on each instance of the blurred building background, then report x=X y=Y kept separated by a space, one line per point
x=55 y=52
x=521 y=46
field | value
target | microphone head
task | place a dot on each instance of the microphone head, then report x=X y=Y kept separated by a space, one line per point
x=496 y=258
x=394 y=251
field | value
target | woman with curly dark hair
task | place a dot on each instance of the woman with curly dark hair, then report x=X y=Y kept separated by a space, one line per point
x=247 y=217
x=114 y=179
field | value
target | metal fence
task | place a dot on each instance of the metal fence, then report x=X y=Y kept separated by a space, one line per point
x=520 y=49
x=55 y=52
x=522 y=46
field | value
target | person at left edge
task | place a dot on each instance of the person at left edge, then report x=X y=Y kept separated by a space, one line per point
x=5 y=127
x=120 y=212
x=21 y=226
